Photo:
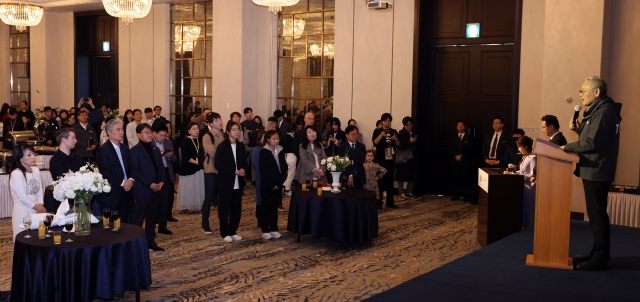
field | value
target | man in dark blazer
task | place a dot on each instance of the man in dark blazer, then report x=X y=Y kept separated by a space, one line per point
x=461 y=151
x=86 y=136
x=176 y=170
x=165 y=146
x=550 y=128
x=113 y=160
x=495 y=144
x=147 y=162
x=282 y=124
x=356 y=151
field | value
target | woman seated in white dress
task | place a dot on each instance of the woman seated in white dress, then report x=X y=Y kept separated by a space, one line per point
x=26 y=190
x=527 y=165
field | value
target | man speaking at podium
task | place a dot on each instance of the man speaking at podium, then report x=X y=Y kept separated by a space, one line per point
x=597 y=147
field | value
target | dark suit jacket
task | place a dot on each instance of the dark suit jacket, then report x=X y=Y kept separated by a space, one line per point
x=502 y=144
x=358 y=158
x=270 y=174
x=168 y=145
x=284 y=128
x=145 y=172
x=462 y=147
x=110 y=168
x=225 y=163
x=83 y=135
x=559 y=139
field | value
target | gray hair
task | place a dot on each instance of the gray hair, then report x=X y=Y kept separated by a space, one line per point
x=111 y=124
x=597 y=82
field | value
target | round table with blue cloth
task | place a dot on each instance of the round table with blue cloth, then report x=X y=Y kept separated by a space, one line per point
x=97 y=266
x=349 y=216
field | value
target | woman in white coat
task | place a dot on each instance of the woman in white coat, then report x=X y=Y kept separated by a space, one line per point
x=26 y=189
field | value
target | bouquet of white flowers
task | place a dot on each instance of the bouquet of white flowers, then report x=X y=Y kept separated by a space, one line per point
x=336 y=163
x=81 y=186
x=40 y=111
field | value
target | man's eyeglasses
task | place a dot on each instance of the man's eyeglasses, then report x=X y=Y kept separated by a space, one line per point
x=582 y=91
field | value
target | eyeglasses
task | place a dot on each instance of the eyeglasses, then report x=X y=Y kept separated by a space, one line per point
x=582 y=91
x=146 y=132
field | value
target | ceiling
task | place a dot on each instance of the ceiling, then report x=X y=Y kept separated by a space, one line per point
x=79 y=5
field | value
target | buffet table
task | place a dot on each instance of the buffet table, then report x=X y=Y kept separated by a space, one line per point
x=45 y=159
x=623 y=207
x=6 y=204
x=97 y=266
x=349 y=216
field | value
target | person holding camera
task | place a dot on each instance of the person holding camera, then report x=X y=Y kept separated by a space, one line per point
x=385 y=140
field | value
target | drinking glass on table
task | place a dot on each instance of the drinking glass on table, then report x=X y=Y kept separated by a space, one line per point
x=115 y=216
x=57 y=237
x=47 y=223
x=106 y=213
x=308 y=183
x=27 y=224
x=68 y=225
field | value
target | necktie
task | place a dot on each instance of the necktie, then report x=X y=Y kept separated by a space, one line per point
x=353 y=146
x=121 y=163
x=494 y=146
x=460 y=136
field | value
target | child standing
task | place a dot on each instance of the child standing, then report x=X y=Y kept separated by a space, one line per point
x=374 y=172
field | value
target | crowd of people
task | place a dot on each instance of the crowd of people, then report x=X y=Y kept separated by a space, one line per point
x=211 y=163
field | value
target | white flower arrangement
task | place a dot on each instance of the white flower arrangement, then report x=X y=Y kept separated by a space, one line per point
x=336 y=163
x=83 y=184
x=40 y=111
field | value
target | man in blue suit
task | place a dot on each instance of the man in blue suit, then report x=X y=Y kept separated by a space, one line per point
x=114 y=163
x=147 y=162
x=356 y=151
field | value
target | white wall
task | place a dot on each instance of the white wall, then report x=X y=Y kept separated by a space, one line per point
x=143 y=61
x=52 y=61
x=373 y=63
x=243 y=59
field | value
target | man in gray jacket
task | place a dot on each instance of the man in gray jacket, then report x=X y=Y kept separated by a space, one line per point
x=597 y=147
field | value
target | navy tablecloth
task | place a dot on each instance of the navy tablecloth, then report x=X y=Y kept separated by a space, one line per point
x=349 y=216
x=97 y=266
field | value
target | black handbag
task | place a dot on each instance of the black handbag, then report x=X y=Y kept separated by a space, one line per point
x=403 y=155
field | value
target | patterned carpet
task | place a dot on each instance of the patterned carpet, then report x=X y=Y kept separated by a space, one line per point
x=421 y=235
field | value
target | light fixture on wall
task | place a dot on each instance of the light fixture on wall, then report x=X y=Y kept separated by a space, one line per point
x=21 y=15
x=127 y=10
x=275 y=6
x=106 y=46
x=187 y=34
x=473 y=30
x=293 y=27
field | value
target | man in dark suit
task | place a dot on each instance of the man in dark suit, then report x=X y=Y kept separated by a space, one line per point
x=550 y=128
x=168 y=158
x=157 y=111
x=461 y=151
x=86 y=136
x=356 y=151
x=63 y=160
x=282 y=125
x=495 y=144
x=51 y=128
x=113 y=160
x=147 y=162
x=176 y=170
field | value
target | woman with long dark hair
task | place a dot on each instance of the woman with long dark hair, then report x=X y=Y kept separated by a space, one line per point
x=191 y=184
x=311 y=155
x=336 y=137
x=4 y=112
x=231 y=163
x=273 y=173
x=64 y=116
x=126 y=119
x=26 y=190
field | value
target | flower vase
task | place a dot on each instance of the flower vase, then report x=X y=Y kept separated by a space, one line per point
x=336 y=181
x=83 y=217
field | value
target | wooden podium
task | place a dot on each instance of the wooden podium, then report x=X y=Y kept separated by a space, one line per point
x=499 y=204
x=553 y=207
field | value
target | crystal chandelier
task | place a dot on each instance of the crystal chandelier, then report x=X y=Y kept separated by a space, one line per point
x=187 y=34
x=328 y=50
x=275 y=6
x=21 y=15
x=127 y=10
x=291 y=27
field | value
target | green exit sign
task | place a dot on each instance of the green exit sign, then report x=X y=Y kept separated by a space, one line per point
x=473 y=30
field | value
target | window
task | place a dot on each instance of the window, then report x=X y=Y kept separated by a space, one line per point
x=19 y=61
x=305 y=59
x=191 y=28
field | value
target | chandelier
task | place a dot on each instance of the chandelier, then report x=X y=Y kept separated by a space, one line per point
x=187 y=34
x=21 y=15
x=291 y=27
x=275 y=6
x=127 y=10
x=328 y=50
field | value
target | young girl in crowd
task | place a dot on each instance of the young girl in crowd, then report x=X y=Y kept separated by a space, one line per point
x=374 y=172
x=273 y=173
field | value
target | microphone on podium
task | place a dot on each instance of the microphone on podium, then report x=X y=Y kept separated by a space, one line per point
x=511 y=168
x=577 y=109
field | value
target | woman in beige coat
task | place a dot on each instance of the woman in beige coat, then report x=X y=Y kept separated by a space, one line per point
x=311 y=155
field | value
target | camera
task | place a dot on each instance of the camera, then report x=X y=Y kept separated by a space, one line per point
x=388 y=136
